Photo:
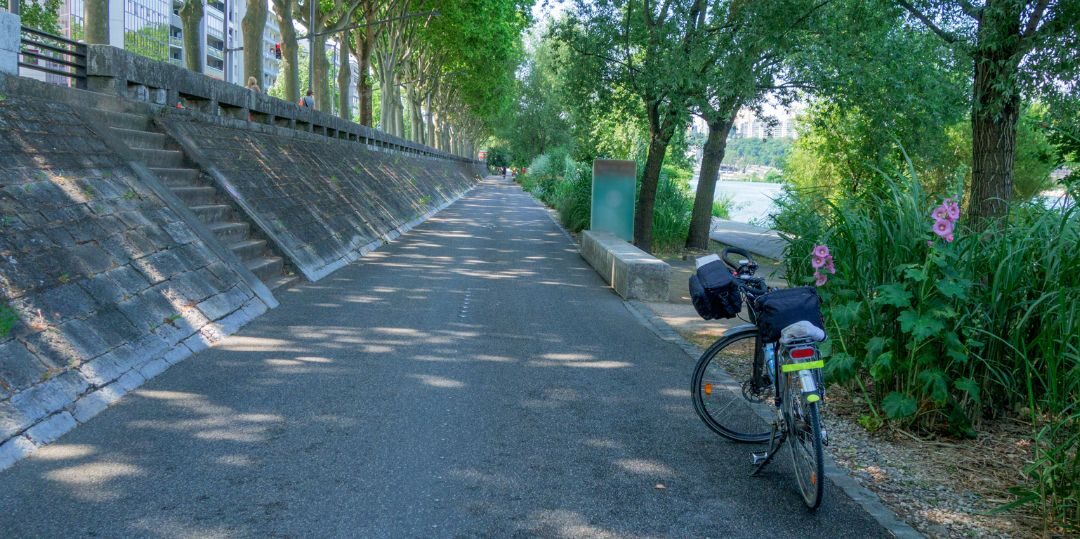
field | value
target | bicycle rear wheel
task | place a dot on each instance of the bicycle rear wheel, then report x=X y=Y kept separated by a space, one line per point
x=717 y=390
x=804 y=436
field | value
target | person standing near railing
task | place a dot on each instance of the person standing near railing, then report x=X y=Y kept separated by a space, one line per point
x=308 y=100
x=253 y=85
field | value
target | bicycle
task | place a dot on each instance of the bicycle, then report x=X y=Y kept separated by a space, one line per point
x=739 y=411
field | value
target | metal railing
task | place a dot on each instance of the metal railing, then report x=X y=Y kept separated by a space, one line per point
x=53 y=55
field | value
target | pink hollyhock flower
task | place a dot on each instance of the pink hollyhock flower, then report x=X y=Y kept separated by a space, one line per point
x=943 y=227
x=929 y=243
x=949 y=238
x=820 y=279
x=821 y=251
x=829 y=266
x=940 y=212
x=954 y=211
x=817 y=262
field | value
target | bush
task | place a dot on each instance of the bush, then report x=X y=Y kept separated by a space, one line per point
x=672 y=209
x=936 y=335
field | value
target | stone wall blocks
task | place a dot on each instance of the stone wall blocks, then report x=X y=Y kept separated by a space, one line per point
x=220 y=305
x=178 y=353
x=130 y=380
x=180 y=232
x=103 y=289
x=47 y=431
x=160 y=266
x=95 y=402
x=154 y=368
x=128 y=279
x=197 y=342
x=14 y=450
x=18 y=367
x=70 y=300
x=50 y=396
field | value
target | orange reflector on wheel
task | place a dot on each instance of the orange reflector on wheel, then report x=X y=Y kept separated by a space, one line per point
x=813 y=479
x=802 y=353
x=708 y=389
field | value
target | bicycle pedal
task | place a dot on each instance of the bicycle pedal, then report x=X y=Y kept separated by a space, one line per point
x=758 y=458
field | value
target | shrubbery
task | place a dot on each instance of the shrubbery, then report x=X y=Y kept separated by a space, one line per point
x=566 y=185
x=937 y=334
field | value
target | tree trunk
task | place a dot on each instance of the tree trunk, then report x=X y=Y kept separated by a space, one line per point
x=344 y=77
x=191 y=16
x=290 y=61
x=365 y=39
x=660 y=131
x=712 y=156
x=96 y=17
x=253 y=25
x=430 y=129
x=321 y=72
x=650 y=178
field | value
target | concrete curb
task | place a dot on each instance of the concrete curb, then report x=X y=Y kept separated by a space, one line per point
x=867 y=499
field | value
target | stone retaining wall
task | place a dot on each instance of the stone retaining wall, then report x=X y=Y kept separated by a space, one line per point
x=323 y=202
x=102 y=286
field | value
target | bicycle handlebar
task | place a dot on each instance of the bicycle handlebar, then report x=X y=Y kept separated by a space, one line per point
x=738 y=267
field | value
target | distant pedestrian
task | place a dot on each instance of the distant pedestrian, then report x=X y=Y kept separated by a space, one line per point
x=253 y=85
x=308 y=100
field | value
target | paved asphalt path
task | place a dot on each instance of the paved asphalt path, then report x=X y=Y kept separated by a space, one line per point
x=473 y=379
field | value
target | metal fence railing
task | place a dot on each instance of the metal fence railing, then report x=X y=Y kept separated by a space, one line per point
x=58 y=59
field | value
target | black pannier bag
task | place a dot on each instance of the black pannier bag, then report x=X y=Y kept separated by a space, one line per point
x=781 y=308
x=714 y=292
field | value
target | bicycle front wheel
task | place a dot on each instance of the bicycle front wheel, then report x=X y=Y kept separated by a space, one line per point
x=717 y=389
x=804 y=434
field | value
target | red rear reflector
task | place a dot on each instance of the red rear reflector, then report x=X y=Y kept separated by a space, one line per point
x=802 y=353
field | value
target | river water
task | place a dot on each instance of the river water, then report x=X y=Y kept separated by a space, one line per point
x=751 y=201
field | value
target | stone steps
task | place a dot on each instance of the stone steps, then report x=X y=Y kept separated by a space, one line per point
x=135 y=138
x=158 y=152
x=267 y=267
x=212 y=213
x=177 y=177
x=231 y=232
x=248 y=249
x=159 y=158
x=195 y=196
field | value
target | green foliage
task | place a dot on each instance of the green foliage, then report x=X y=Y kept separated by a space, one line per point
x=770 y=152
x=937 y=335
x=674 y=204
x=722 y=207
x=8 y=318
x=42 y=15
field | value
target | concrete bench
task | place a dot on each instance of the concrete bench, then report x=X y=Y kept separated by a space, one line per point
x=633 y=273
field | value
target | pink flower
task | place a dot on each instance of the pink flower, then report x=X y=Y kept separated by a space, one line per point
x=821 y=251
x=954 y=210
x=830 y=266
x=943 y=227
x=929 y=243
x=949 y=238
x=820 y=279
x=941 y=212
x=817 y=262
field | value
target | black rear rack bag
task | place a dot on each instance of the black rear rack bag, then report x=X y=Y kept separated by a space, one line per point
x=781 y=308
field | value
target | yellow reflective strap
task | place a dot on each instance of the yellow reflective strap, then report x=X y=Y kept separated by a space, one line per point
x=803 y=366
x=813 y=397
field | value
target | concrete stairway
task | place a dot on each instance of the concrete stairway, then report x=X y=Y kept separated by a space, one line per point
x=163 y=157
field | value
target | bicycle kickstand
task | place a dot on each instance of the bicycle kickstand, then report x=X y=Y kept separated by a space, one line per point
x=759 y=460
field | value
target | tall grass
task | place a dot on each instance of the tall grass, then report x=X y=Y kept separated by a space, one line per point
x=939 y=335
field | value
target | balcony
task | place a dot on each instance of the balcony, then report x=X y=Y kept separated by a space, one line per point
x=176 y=41
x=215 y=53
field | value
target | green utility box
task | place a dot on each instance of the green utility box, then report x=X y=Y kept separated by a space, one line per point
x=613 y=186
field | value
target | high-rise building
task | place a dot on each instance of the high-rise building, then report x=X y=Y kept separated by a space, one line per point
x=153 y=29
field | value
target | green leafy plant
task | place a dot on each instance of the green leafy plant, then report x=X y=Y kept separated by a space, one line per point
x=8 y=318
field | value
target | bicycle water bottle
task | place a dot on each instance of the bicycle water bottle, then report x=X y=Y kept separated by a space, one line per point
x=770 y=360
